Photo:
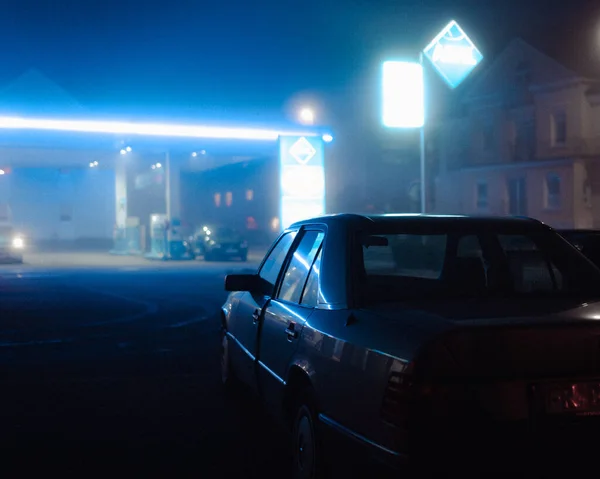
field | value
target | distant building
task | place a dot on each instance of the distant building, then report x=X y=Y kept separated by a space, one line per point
x=523 y=140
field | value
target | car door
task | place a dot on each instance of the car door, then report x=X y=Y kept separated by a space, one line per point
x=243 y=325
x=286 y=314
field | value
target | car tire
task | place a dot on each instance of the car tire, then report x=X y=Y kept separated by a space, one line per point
x=228 y=378
x=307 y=453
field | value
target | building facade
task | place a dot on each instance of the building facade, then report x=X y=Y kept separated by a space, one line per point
x=524 y=139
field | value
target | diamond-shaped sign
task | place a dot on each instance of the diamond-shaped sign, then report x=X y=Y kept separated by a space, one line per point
x=302 y=151
x=453 y=54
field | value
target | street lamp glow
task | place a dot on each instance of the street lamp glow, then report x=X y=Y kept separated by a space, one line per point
x=123 y=151
x=158 y=165
x=194 y=154
x=327 y=138
x=1 y=172
x=307 y=116
x=128 y=149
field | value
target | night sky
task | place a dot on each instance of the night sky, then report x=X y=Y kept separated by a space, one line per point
x=178 y=55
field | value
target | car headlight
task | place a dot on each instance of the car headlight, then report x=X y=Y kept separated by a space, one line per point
x=18 y=242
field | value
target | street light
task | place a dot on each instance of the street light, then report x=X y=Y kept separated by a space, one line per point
x=307 y=116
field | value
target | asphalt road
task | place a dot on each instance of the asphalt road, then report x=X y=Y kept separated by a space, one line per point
x=111 y=365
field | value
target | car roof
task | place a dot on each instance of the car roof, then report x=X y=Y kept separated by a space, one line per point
x=357 y=220
x=578 y=231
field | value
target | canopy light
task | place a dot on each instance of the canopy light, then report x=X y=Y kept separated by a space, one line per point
x=149 y=129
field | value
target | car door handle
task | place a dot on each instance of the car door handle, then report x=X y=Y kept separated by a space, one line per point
x=255 y=316
x=291 y=332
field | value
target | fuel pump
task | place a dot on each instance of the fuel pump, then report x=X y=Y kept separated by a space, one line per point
x=158 y=236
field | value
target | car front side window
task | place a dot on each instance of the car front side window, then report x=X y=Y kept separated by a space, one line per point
x=274 y=262
x=299 y=266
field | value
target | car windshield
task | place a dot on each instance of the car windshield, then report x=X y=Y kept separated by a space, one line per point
x=473 y=264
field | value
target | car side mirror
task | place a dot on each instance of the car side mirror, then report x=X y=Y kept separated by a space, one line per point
x=242 y=282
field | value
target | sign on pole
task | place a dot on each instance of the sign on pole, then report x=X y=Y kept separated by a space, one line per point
x=302 y=178
x=402 y=95
x=453 y=54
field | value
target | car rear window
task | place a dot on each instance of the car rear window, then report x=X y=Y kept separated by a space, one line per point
x=418 y=256
x=471 y=264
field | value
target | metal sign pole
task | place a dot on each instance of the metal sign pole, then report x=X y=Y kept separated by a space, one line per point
x=168 y=185
x=422 y=152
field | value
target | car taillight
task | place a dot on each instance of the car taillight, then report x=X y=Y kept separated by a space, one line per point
x=400 y=394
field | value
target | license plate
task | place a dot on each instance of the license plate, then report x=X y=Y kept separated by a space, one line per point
x=231 y=250
x=581 y=399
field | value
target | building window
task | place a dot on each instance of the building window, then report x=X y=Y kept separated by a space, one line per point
x=251 y=223
x=488 y=136
x=552 y=191
x=482 y=195
x=559 y=128
x=228 y=198
x=217 y=199
x=249 y=195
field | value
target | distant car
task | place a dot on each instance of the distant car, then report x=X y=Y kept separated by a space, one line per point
x=219 y=243
x=425 y=340
x=12 y=245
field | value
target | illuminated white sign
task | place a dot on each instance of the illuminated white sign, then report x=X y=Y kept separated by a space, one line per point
x=302 y=181
x=302 y=151
x=403 y=95
x=453 y=54
x=302 y=178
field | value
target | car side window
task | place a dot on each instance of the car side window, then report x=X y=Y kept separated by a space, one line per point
x=310 y=296
x=297 y=271
x=272 y=265
x=530 y=269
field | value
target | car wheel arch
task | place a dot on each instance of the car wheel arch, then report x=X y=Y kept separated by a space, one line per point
x=298 y=384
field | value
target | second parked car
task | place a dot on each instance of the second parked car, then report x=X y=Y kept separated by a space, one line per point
x=219 y=243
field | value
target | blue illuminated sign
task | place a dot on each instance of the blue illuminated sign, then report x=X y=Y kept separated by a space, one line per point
x=302 y=178
x=453 y=54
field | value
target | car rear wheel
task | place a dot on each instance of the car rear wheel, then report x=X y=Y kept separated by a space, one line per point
x=308 y=457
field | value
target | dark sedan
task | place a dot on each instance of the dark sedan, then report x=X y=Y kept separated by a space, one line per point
x=424 y=340
x=219 y=243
